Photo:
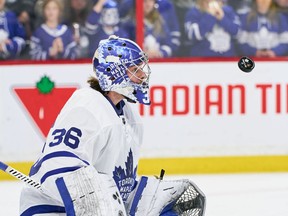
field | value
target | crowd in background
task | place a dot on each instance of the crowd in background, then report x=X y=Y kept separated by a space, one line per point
x=72 y=29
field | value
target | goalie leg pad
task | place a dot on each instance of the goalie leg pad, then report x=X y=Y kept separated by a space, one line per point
x=166 y=198
x=85 y=192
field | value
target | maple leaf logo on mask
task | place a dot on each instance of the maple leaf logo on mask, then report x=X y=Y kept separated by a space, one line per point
x=125 y=179
x=44 y=102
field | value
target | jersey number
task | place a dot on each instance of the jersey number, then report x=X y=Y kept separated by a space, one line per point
x=69 y=138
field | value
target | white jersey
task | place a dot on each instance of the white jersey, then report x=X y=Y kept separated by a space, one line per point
x=90 y=130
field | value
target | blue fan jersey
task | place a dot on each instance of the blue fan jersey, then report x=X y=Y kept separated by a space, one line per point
x=167 y=10
x=42 y=40
x=11 y=29
x=261 y=33
x=209 y=36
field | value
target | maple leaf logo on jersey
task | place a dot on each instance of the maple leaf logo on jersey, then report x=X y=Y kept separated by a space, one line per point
x=125 y=179
x=44 y=102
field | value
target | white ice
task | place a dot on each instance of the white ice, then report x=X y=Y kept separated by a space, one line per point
x=227 y=195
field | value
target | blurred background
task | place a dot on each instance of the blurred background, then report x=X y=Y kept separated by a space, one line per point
x=208 y=121
x=72 y=29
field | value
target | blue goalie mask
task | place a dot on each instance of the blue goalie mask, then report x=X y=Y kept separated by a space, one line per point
x=121 y=66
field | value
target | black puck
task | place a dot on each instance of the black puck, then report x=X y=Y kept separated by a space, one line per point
x=246 y=64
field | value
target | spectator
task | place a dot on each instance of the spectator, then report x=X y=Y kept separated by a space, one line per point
x=184 y=3
x=24 y=10
x=126 y=9
x=102 y=22
x=75 y=16
x=12 y=34
x=157 y=41
x=283 y=7
x=39 y=14
x=167 y=11
x=52 y=40
x=264 y=31
x=124 y=6
x=181 y=8
x=77 y=11
x=240 y=7
x=211 y=28
x=129 y=22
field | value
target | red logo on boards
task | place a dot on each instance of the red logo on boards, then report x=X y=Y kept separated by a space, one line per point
x=44 y=102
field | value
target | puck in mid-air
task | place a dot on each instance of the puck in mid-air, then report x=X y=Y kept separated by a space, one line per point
x=246 y=64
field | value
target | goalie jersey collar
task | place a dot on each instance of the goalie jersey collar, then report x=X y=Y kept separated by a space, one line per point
x=118 y=108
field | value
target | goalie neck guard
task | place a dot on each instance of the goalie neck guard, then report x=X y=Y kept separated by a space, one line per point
x=113 y=60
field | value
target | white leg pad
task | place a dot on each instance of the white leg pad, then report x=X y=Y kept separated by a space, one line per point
x=85 y=192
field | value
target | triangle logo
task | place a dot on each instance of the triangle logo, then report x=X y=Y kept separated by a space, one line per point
x=43 y=103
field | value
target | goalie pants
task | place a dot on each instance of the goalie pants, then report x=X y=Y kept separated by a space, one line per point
x=35 y=202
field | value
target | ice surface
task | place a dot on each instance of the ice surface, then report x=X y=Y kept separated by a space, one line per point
x=227 y=195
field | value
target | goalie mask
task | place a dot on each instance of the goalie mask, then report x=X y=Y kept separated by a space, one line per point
x=117 y=62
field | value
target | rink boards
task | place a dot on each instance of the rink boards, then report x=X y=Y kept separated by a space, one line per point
x=205 y=116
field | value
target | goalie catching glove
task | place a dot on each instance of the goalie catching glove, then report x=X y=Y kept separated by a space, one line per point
x=153 y=197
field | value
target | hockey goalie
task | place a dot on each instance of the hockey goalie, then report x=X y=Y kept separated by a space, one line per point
x=89 y=161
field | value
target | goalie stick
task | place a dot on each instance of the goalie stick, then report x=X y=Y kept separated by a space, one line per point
x=17 y=174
